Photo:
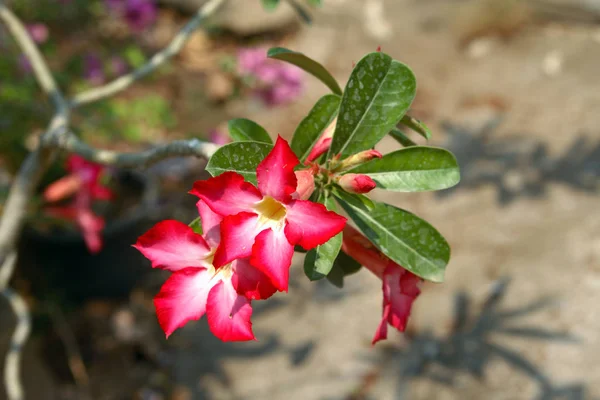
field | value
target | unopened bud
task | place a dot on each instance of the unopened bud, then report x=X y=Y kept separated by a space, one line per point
x=323 y=143
x=356 y=183
x=306 y=184
x=357 y=159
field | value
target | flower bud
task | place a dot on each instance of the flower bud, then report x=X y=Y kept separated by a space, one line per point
x=356 y=183
x=323 y=143
x=358 y=159
x=306 y=184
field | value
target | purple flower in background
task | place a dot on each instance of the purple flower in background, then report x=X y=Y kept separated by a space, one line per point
x=218 y=137
x=118 y=66
x=93 y=70
x=139 y=14
x=38 y=32
x=277 y=82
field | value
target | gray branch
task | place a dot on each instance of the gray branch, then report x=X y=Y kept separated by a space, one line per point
x=123 y=82
x=179 y=148
x=33 y=55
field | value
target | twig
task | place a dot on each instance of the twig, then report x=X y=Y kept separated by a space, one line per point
x=178 y=148
x=74 y=359
x=156 y=61
x=12 y=382
x=33 y=55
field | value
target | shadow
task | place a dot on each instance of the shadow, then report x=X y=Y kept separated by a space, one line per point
x=470 y=348
x=519 y=167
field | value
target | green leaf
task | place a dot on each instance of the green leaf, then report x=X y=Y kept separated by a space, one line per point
x=270 y=5
x=319 y=261
x=196 y=225
x=416 y=126
x=377 y=95
x=343 y=266
x=405 y=238
x=414 y=169
x=307 y=64
x=242 y=129
x=401 y=138
x=358 y=200
x=241 y=157
x=311 y=127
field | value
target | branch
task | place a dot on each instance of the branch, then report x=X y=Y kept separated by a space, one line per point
x=179 y=148
x=156 y=61
x=33 y=55
x=12 y=382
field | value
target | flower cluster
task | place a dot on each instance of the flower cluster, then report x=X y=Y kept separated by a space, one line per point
x=400 y=287
x=275 y=83
x=245 y=250
x=139 y=14
x=84 y=185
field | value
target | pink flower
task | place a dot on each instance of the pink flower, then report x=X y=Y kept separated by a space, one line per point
x=218 y=137
x=323 y=142
x=265 y=223
x=139 y=14
x=93 y=69
x=84 y=183
x=400 y=287
x=357 y=183
x=196 y=286
x=38 y=32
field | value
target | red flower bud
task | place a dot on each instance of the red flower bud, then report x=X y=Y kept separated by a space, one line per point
x=306 y=184
x=357 y=183
x=323 y=143
x=357 y=159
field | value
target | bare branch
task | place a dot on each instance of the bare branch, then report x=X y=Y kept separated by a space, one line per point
x=35 y=58
x=12 y=382
x=178 y=148
x=156 y=61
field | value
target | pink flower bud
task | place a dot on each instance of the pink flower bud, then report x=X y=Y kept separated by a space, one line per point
x=323 y=142
x=357 y=183
x=306 y=184
x=358 y=159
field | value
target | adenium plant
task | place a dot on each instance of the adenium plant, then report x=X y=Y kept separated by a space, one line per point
x=266 y=200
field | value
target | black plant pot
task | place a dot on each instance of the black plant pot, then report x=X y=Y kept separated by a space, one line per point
x=57 y=264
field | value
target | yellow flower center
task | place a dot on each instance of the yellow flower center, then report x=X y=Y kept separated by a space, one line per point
x=271 y=213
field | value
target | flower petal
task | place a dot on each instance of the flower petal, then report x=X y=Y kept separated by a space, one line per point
x=249 y=282
x=91 y=225
x=275 y=174
x=227 y=194
x=310 y=224
x=211 y=229
x=381 y=332
x=173 y=245
x=229 y=313
x=272 y=254
x=182 y=298
x=237 y=237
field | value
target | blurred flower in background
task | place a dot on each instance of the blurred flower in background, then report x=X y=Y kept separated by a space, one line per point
x=93 y=70
x=274 y=82
x=217 y=136
x=139 y=14
x=39 y=32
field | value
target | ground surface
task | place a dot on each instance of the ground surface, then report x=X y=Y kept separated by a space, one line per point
x=527 y=209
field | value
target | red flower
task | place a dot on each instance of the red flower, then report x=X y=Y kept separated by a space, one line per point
x=265 y=223
x=323 y=142
x=357 y=183
x=83 y=182
x=196 y=287
x=400 y=287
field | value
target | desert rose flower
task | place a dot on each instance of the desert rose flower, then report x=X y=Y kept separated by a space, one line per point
x=323 y=142
x=196 y=286
x=400 y=287
x=265 y=223
x=83 y=182
x=356 y=183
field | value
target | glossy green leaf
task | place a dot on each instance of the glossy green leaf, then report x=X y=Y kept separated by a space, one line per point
x=242 y=129
x=241 y=157
x=358 y=200
x=378 y=93
x=196 y=225
x=416 y=126
x=343 y=266
x=307 y=64
x=311 y=127
x=414 y=169
x=401 y=138
x=270 y=5
x=405 y=238
x=319 y=261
